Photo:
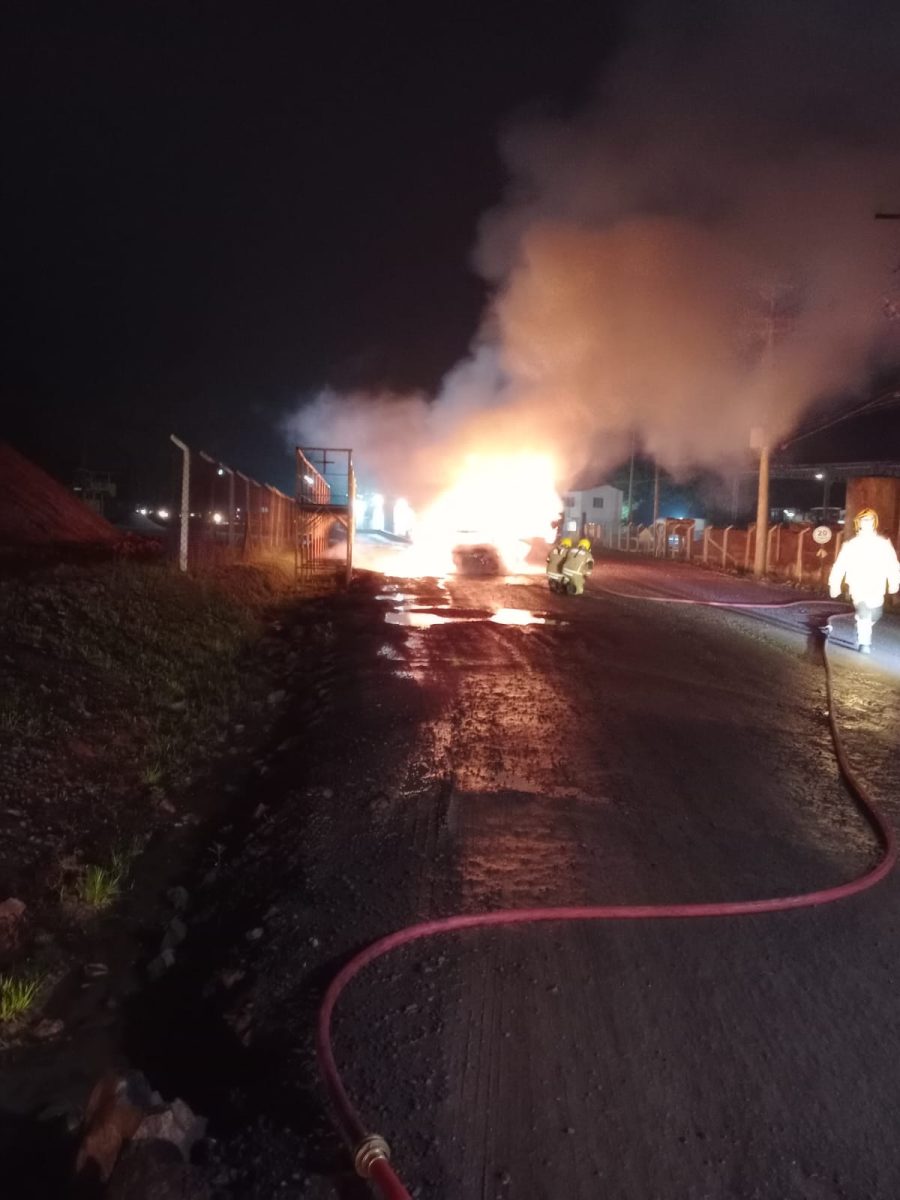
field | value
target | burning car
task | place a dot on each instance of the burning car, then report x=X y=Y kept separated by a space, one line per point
x=475 y=555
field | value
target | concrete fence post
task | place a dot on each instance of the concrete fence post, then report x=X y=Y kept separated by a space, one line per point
x=725 y=533
x=185 y=502
x=751 y=536
x=232 y=515
x=801 y=538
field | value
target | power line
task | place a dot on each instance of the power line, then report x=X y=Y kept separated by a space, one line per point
x=885 y=400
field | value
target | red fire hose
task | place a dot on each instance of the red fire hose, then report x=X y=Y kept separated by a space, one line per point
x=371 y=1152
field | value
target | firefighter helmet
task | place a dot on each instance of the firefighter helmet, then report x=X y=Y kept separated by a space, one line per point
x=567 y=542
x=863 y=515
x=584 y=544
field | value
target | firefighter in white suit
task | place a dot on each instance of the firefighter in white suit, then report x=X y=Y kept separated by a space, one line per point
x=868 y=563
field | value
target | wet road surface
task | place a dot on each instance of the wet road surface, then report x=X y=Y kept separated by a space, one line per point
x=505 y=747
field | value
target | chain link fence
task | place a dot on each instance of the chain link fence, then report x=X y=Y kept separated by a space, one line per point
x=220 y=515
x=792 y=553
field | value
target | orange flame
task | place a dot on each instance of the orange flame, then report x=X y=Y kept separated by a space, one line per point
x=502 y=500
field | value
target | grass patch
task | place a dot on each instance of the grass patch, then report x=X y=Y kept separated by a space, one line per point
x=98 y=887
x=17 y=718
x=17 y=996
x=152 y=774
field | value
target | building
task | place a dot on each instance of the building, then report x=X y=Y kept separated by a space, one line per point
x=593 y=512
x=94 y=488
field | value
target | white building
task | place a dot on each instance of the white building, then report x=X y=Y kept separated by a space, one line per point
x=594 y=512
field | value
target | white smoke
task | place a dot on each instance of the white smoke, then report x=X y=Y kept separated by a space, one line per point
x=693 y=256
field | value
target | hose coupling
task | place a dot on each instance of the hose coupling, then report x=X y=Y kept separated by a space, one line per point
x=370 y=1149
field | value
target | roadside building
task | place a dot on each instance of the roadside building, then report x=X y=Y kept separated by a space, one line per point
x=593 y=512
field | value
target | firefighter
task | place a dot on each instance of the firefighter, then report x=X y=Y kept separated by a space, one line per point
x=578 y=565
x=555 y=558
x=868 y=563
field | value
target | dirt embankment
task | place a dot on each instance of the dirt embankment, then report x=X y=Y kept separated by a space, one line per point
x=112 y=680
x=130 y=696
x=36 y=510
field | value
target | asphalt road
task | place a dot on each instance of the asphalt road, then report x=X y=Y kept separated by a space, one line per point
x=501 y=746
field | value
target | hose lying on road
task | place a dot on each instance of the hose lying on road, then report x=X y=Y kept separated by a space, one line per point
x=371 y=1152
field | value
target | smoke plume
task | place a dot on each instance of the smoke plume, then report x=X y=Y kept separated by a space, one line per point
x=691 y=257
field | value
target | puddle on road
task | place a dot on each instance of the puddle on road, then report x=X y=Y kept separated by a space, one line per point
x=424 y=616
x=422 y=620
x=396 y=597
x=521 y=616
x=415 y=607
x=388 y=651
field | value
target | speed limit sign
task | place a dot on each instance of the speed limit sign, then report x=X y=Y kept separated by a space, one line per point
x=821 y=534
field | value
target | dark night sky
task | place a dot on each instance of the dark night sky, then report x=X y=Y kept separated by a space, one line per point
x=209 y=210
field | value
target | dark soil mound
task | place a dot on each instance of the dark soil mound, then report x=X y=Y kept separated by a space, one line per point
x=36 y=510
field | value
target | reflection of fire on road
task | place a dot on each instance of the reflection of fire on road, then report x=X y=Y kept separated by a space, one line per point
x=486 y=520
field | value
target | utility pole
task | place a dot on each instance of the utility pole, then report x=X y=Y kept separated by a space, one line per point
x=631 y=478
x=762 y=510
x=760 y=438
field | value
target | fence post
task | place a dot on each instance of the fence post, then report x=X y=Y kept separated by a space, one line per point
x=231 y=512
x=725 y=533
x=801 y=537
x=769 y=533
x=256 y=531
x=706 y=533
x=270 y=505
x=751 y=535
x=185 y=502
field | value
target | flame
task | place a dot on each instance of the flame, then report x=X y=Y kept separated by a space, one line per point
x=501 y=500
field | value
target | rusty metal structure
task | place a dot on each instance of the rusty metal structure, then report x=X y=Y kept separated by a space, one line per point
x=326 y=490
